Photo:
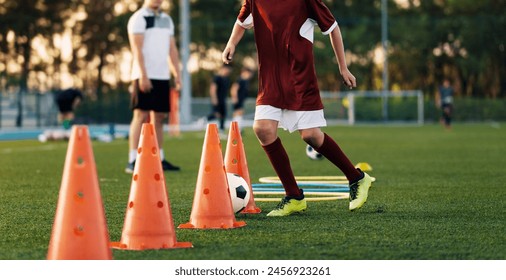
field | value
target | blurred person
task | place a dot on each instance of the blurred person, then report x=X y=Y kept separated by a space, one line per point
x=444 y=101
x=67 y=101
x=239 y=93
x=218 y=93
x=155 y=58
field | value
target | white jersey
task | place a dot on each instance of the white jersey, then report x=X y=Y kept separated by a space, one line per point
x=157 y=30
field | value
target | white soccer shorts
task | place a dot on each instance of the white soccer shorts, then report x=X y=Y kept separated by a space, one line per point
x=291 y=120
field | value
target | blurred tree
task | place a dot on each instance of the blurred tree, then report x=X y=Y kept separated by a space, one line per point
x=428 y=40
x=102 y=33
x=461 y=40
x=26 y=19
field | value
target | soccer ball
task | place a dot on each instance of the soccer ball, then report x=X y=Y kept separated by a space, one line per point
x=312 y=153
x=239 y=191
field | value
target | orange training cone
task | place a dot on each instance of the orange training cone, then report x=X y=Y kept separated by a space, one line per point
x=212 y=206
x=79 y=229
x=148 y=220
x=174 y=129
x=235 y=162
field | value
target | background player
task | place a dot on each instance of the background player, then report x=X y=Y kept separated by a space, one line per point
x=239 y=92
x=67 y=101
x=151 y=35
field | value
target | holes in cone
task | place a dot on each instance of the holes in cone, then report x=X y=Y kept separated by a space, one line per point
x=207 y=168
x=79 y=230
x=139 y=150
x=159 y=204
x=234 y=161
x=136 y=176
x=206 y=191
x=79 y=196
x=131 y=204
x=154 y=150
x=80 y=160
x=234 y=142
x=157 y=177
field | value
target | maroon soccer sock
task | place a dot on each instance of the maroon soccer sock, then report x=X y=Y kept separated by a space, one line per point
x=281 y=163
x=333 y=152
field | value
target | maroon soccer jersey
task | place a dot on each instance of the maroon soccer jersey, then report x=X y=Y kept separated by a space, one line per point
x=284 y=40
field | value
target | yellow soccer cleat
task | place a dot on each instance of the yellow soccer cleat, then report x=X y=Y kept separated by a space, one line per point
x=289 y=206
x=359 y=191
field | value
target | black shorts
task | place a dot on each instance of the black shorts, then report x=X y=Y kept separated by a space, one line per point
x=64 y=105
x=446 y=108
x=238 y=105
x=156 y=100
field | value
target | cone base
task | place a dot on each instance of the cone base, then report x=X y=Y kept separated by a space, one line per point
x=236 y=224
x=105 y=256
x=251 y=210
x=141 y=247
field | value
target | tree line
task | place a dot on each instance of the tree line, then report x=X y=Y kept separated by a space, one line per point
x=463 y=40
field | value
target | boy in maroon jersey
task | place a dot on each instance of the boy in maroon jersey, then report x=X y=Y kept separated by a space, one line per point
x=288 y=94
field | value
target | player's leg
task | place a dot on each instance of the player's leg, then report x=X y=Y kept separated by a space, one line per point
x=138 y=118
x=324 y=144
x=265 y=127
x=140 y=115
x=450 y=112
x=238 y=113
x=66 y=115
x=67 y=119
x=158 y=120
x=160 y=104
x=222 y=111
x=447 y=108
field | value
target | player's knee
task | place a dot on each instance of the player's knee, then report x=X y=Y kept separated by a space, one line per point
x=160 y=117
x=265 y=134
x=140 y=117
x=313 y=137
x=309 y=139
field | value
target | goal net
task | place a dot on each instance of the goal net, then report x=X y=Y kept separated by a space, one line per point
x=374 y=106
x=351 y=107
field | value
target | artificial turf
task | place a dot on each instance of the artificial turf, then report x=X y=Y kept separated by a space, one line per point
x=439 y=195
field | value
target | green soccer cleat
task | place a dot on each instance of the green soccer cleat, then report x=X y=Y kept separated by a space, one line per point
x=289 y=206
x=359 y=191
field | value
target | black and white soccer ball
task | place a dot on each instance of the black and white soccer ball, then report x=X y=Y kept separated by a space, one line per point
x=312 y=153
x=239 y=191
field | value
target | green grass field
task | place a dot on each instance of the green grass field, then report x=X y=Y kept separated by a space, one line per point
x=439 y=195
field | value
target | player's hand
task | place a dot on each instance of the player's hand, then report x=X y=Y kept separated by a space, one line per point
x=145 y=84
x=177 y=83
x=348 y=79
x=228 y=53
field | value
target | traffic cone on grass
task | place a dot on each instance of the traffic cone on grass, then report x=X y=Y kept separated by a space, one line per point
x=212 y=206
x=79 y=229
x=174 y=129
x=235 y=162
x=148 y=220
